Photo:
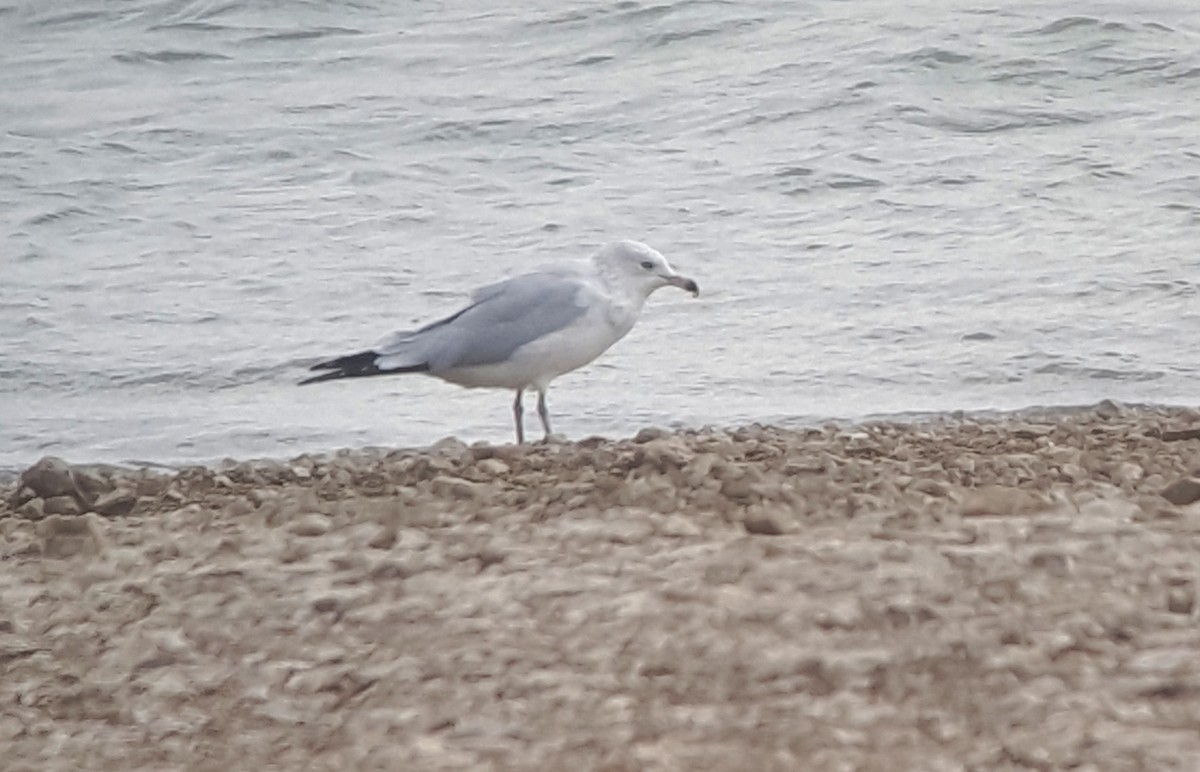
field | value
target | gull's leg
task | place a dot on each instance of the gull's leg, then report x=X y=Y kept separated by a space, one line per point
x=543 y=412
x=517 y=411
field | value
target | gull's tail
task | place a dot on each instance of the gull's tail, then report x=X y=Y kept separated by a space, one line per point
x=359 y=365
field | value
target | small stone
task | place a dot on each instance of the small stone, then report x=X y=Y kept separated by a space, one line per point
x=260 y=496
x=1183 y=491
x=1073 y=472
x=89 y=485
x=930 y=488
x=492 y=467
x=1181 y=600
x=449 y=447
x=117 y=503
x=1127 y=473
x=843 y=614
x=309 y=525
x=61 y=505
x=763 y=525
x=327 y=604
x=384 y=538
x=239 y=508
x=678 y=526
x=49 y=478
x=22 y=494
x=737 y=488
x=650 y=433
x=1108 y=409
x=64 y=537
x=1052 y=561
x=1000 y=500
x=34 y=509
x=1166 y=660
x=1031 y=431
x=445 y=486
x=489 y=556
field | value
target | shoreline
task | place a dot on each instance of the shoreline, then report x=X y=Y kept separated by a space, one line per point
x=1017 y=591
x=1043 y=413
x=673 y=470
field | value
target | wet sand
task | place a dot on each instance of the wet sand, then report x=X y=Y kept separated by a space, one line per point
x=989 y=594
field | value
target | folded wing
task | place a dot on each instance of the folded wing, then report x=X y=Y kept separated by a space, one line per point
x=502 y=318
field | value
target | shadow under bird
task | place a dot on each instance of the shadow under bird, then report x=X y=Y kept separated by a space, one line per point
x=523 y=332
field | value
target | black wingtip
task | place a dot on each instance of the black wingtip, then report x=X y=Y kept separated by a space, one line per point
x=352 y=366
x=319 y=378
x=358 y=365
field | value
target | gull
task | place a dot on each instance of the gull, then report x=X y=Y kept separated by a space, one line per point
x=523 y=332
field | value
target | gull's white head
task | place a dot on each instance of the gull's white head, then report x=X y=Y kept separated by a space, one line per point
x=641 y=268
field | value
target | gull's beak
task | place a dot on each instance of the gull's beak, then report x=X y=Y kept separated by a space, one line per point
x=683 y=283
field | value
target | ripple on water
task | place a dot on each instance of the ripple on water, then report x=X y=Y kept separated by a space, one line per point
x=169 y=56
x=989 y=208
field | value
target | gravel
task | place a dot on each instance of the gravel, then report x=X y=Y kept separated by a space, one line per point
x=1008 y=593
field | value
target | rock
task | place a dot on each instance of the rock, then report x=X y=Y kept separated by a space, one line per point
x=1031 y=431
x=1126 y=473
x=1053 y=561
x=309 y=525
x=49 y=478
x=445 y=486
x=650 y=433
x=64 y=537
x=1165 y=660
x=22 y=494
x=843 y=614
x=384 y=538
x=33 y=509
x=1183 y=491
x=738 y=488
x=115 y=503
x=88 y=485
x=930 y=487
x=260 y=496
x=677 y=525
x=763 y=525
x=1000 y=500
x=1108 y=409
x=449 y=447
x=1073 y=473
x=489 y=556
x=61 y=505
x=1181 y=600
x=492 y=467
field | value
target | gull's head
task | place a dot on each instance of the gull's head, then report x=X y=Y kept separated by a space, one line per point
x=638 y=266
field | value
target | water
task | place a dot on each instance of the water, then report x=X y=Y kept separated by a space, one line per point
x=888 y=211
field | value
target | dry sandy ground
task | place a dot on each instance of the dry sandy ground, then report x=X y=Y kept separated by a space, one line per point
x=963 y=594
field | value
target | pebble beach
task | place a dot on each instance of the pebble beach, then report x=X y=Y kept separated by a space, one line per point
x=1005 y=592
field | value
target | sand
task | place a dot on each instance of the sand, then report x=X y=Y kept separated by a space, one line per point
x=1008 y=593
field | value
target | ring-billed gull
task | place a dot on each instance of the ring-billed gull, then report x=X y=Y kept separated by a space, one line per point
x=524 y=332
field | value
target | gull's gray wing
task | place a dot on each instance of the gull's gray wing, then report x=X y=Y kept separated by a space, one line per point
x=502 y=318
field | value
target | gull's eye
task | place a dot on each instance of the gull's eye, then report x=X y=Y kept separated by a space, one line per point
x=647 y=264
